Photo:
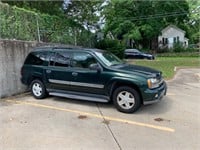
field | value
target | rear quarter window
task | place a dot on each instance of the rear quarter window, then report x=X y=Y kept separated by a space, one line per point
x=37 y=58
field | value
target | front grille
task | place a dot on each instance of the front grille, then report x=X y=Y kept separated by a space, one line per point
x=161 y=81
x=159 y=77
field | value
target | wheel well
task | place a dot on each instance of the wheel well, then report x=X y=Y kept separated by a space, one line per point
x=34 y=78
x=119 y=84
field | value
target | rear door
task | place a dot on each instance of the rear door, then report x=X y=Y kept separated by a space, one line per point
x=59 y=73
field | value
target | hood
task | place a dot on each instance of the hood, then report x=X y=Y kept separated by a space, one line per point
x=140 y=69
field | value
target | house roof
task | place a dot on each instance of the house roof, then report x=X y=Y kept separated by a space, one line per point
x=173 y=26
x=186 y=39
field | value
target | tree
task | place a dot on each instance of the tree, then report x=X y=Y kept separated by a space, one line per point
x=58 y=20
x=50 y=7
x=193 y=26
x=85 y=13
x=142 y=21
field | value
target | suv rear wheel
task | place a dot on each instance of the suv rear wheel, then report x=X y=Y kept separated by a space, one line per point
x=126 y=99
x=38 y=89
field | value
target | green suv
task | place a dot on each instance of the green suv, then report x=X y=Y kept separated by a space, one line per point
x=92 y=75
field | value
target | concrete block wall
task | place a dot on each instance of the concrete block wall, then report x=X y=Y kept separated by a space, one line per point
x=12 y=56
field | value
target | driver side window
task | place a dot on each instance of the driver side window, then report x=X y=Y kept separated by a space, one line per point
x=82 y=60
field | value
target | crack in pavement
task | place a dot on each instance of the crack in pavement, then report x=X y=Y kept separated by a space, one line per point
x=109 y=129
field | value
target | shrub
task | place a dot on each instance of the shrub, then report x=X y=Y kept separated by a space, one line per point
x=178 y=47
x=113 y=46
x=164 y=50
x=179 y=54
x=188 y=49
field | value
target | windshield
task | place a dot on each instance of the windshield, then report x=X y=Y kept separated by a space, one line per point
x=108 y=58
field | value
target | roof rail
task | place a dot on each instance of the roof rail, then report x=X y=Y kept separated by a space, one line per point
x=57 y=46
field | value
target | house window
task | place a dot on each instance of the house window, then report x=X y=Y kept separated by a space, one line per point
x=163 y=40
x=166 y=40
x=174 y=39
x=177 y=38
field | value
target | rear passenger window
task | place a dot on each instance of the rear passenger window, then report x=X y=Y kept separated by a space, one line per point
x=60 y=59
x=37 y=58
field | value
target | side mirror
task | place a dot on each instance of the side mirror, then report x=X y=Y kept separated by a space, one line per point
x=96 y=67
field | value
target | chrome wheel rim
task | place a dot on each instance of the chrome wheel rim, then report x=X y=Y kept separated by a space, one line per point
x=126 y=100
x=37 y=89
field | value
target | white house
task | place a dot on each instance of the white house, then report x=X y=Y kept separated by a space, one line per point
x=171 y=35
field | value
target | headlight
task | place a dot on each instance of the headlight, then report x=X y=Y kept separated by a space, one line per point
x=153 y=83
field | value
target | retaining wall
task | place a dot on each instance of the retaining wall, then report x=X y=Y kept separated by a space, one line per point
x=12 y=56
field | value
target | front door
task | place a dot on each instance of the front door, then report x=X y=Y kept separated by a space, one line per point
x=84 y=79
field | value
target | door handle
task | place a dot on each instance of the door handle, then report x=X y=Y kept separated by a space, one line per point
x=48 y=71
x=74 y=74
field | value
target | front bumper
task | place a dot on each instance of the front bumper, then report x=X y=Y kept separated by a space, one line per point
x=155 y=95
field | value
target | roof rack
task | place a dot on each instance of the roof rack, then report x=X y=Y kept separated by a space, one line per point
x=57 y=46
x=62 y=46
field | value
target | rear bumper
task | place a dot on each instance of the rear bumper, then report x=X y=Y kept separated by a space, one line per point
x=155 y=95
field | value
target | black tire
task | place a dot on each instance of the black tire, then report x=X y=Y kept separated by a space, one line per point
x=126 y=106
x=38 y=89
x=149 y=58
x=126 y=57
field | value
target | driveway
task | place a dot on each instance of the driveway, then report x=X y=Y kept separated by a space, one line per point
x=59 y=123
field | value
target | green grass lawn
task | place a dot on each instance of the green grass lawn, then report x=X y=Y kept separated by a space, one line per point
x=167 y=64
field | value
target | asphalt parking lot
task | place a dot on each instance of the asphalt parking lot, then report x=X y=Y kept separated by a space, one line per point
x=59 y=124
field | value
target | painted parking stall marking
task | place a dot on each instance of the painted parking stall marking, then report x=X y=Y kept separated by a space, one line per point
x=162 y=128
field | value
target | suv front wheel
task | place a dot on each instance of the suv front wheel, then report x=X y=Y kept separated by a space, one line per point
x=38 y=89
x=126 y=99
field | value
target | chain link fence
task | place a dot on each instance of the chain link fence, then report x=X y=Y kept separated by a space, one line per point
x=21 y=24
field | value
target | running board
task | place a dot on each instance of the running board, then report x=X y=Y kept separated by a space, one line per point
x=80 y=97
